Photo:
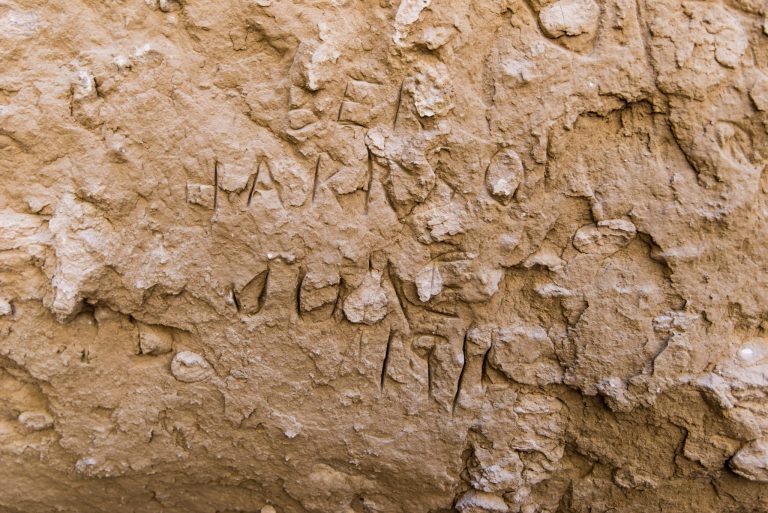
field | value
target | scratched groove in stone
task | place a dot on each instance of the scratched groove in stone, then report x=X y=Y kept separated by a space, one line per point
x=361 y=256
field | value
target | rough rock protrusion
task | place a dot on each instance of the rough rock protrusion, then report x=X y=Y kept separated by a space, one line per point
x=190 y=367
x=751 y=461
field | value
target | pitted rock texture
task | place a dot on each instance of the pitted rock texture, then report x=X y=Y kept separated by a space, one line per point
x=381 y=256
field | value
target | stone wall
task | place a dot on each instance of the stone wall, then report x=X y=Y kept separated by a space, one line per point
x=378 y=256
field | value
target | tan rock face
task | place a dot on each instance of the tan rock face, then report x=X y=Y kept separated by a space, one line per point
x=383 y=256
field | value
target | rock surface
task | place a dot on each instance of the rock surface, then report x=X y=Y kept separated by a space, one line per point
x=383 y=256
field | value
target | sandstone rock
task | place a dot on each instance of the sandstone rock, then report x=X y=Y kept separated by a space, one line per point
x=189 y=367
x=751 y=461
x=383 y=256
x=632 y=479
x=367 y=304
x=293 y=184
x=432 y=91
x=201 y=194
x=154 y=340
x=429 y=282
x=759 y=94
x=319 y=288
x=35 y=420
x=605 y=237
x=570 y=17
x=504 y=175
x=526 y=355
x=6 y=308
x=408 y=13
x=481 y=502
